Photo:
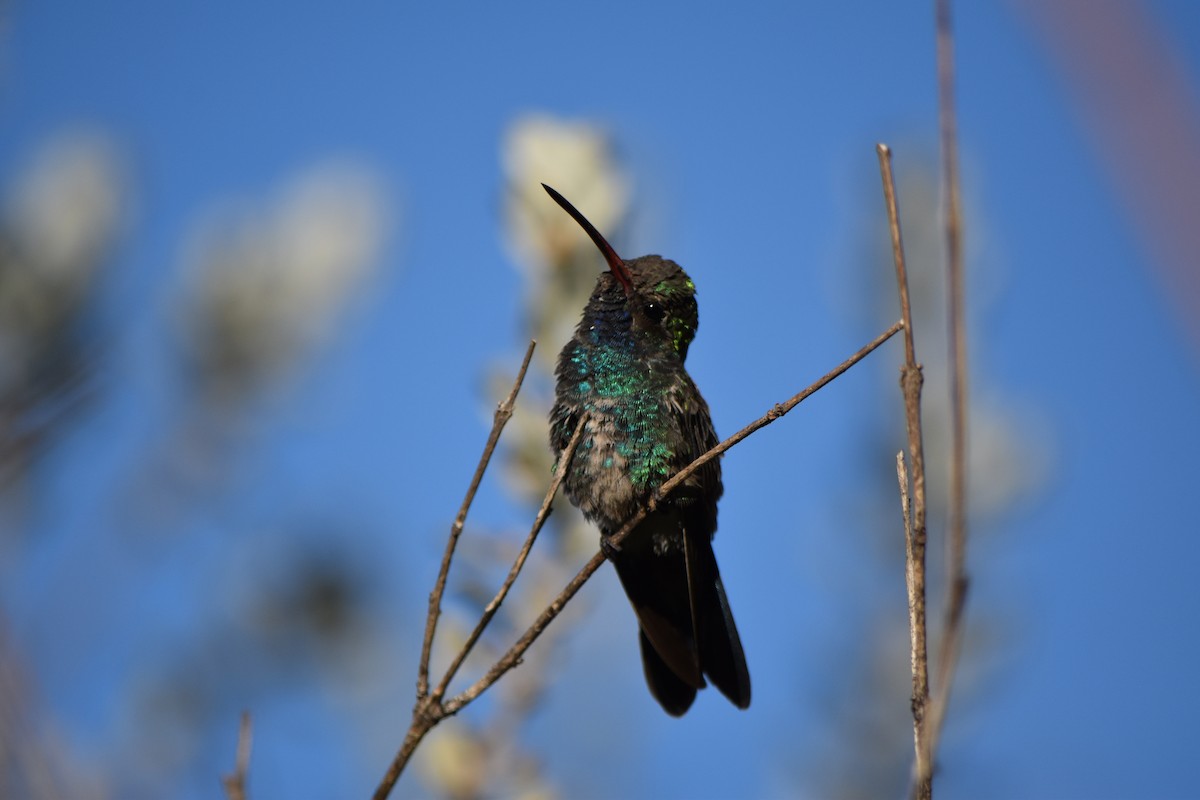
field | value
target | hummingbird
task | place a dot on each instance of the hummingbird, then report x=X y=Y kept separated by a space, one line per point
x=624 y=368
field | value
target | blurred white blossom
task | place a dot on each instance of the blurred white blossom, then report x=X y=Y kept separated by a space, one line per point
x=578 y=159
x=66 y=206
x=454 y=763
x=575 y=158
x=268 y=285
x=58 y=223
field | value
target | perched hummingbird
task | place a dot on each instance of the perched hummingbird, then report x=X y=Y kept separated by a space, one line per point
x=647 y=421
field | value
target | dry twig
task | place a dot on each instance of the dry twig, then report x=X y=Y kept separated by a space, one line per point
x=911 y=381
x=235 y=782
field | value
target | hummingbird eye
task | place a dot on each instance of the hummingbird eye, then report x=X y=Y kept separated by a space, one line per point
x=654 y=311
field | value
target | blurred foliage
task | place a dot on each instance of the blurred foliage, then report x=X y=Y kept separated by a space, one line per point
x=34 y=760
x=303 y=611
x=296 y=601
x=268 y=284
x=261 y=290
x=264 y=288
x=57 y=228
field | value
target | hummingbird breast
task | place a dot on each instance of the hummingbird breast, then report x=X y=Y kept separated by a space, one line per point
x=641 y=407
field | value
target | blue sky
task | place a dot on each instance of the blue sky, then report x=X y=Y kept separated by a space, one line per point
x=749 y=136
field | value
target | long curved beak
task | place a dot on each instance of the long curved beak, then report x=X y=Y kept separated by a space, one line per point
x=615 y=264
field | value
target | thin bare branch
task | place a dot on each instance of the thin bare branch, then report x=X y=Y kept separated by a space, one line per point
x=915 y=535
x=492 y=607
x=893 y=211
x=503 y=413
x=235 y=783
x=517 y=651
x=427 y=713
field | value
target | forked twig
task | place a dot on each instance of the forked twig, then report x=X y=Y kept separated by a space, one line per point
x=429 y=709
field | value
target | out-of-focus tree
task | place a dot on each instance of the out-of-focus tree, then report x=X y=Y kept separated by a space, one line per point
x=290 y=602
x=265 y=287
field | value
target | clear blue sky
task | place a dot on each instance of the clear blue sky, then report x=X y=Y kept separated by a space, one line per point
x=749 y=133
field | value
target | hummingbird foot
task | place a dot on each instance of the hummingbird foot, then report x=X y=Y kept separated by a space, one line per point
x=608 y=548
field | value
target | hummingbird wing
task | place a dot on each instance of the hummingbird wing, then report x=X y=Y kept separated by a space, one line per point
x=563 y=419
x=720 y=647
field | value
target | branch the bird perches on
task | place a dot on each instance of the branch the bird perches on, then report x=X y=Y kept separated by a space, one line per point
x=431 y=706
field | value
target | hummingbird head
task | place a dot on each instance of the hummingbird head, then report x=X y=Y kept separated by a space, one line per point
x=658 y=294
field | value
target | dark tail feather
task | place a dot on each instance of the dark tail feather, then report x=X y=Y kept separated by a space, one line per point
x=657 y=588
x=721 y=655
x=675 y=594
x=672 y=694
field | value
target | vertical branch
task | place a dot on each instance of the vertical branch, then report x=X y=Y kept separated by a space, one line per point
x=956 y=569
x=911 y=381
x=503 y=412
